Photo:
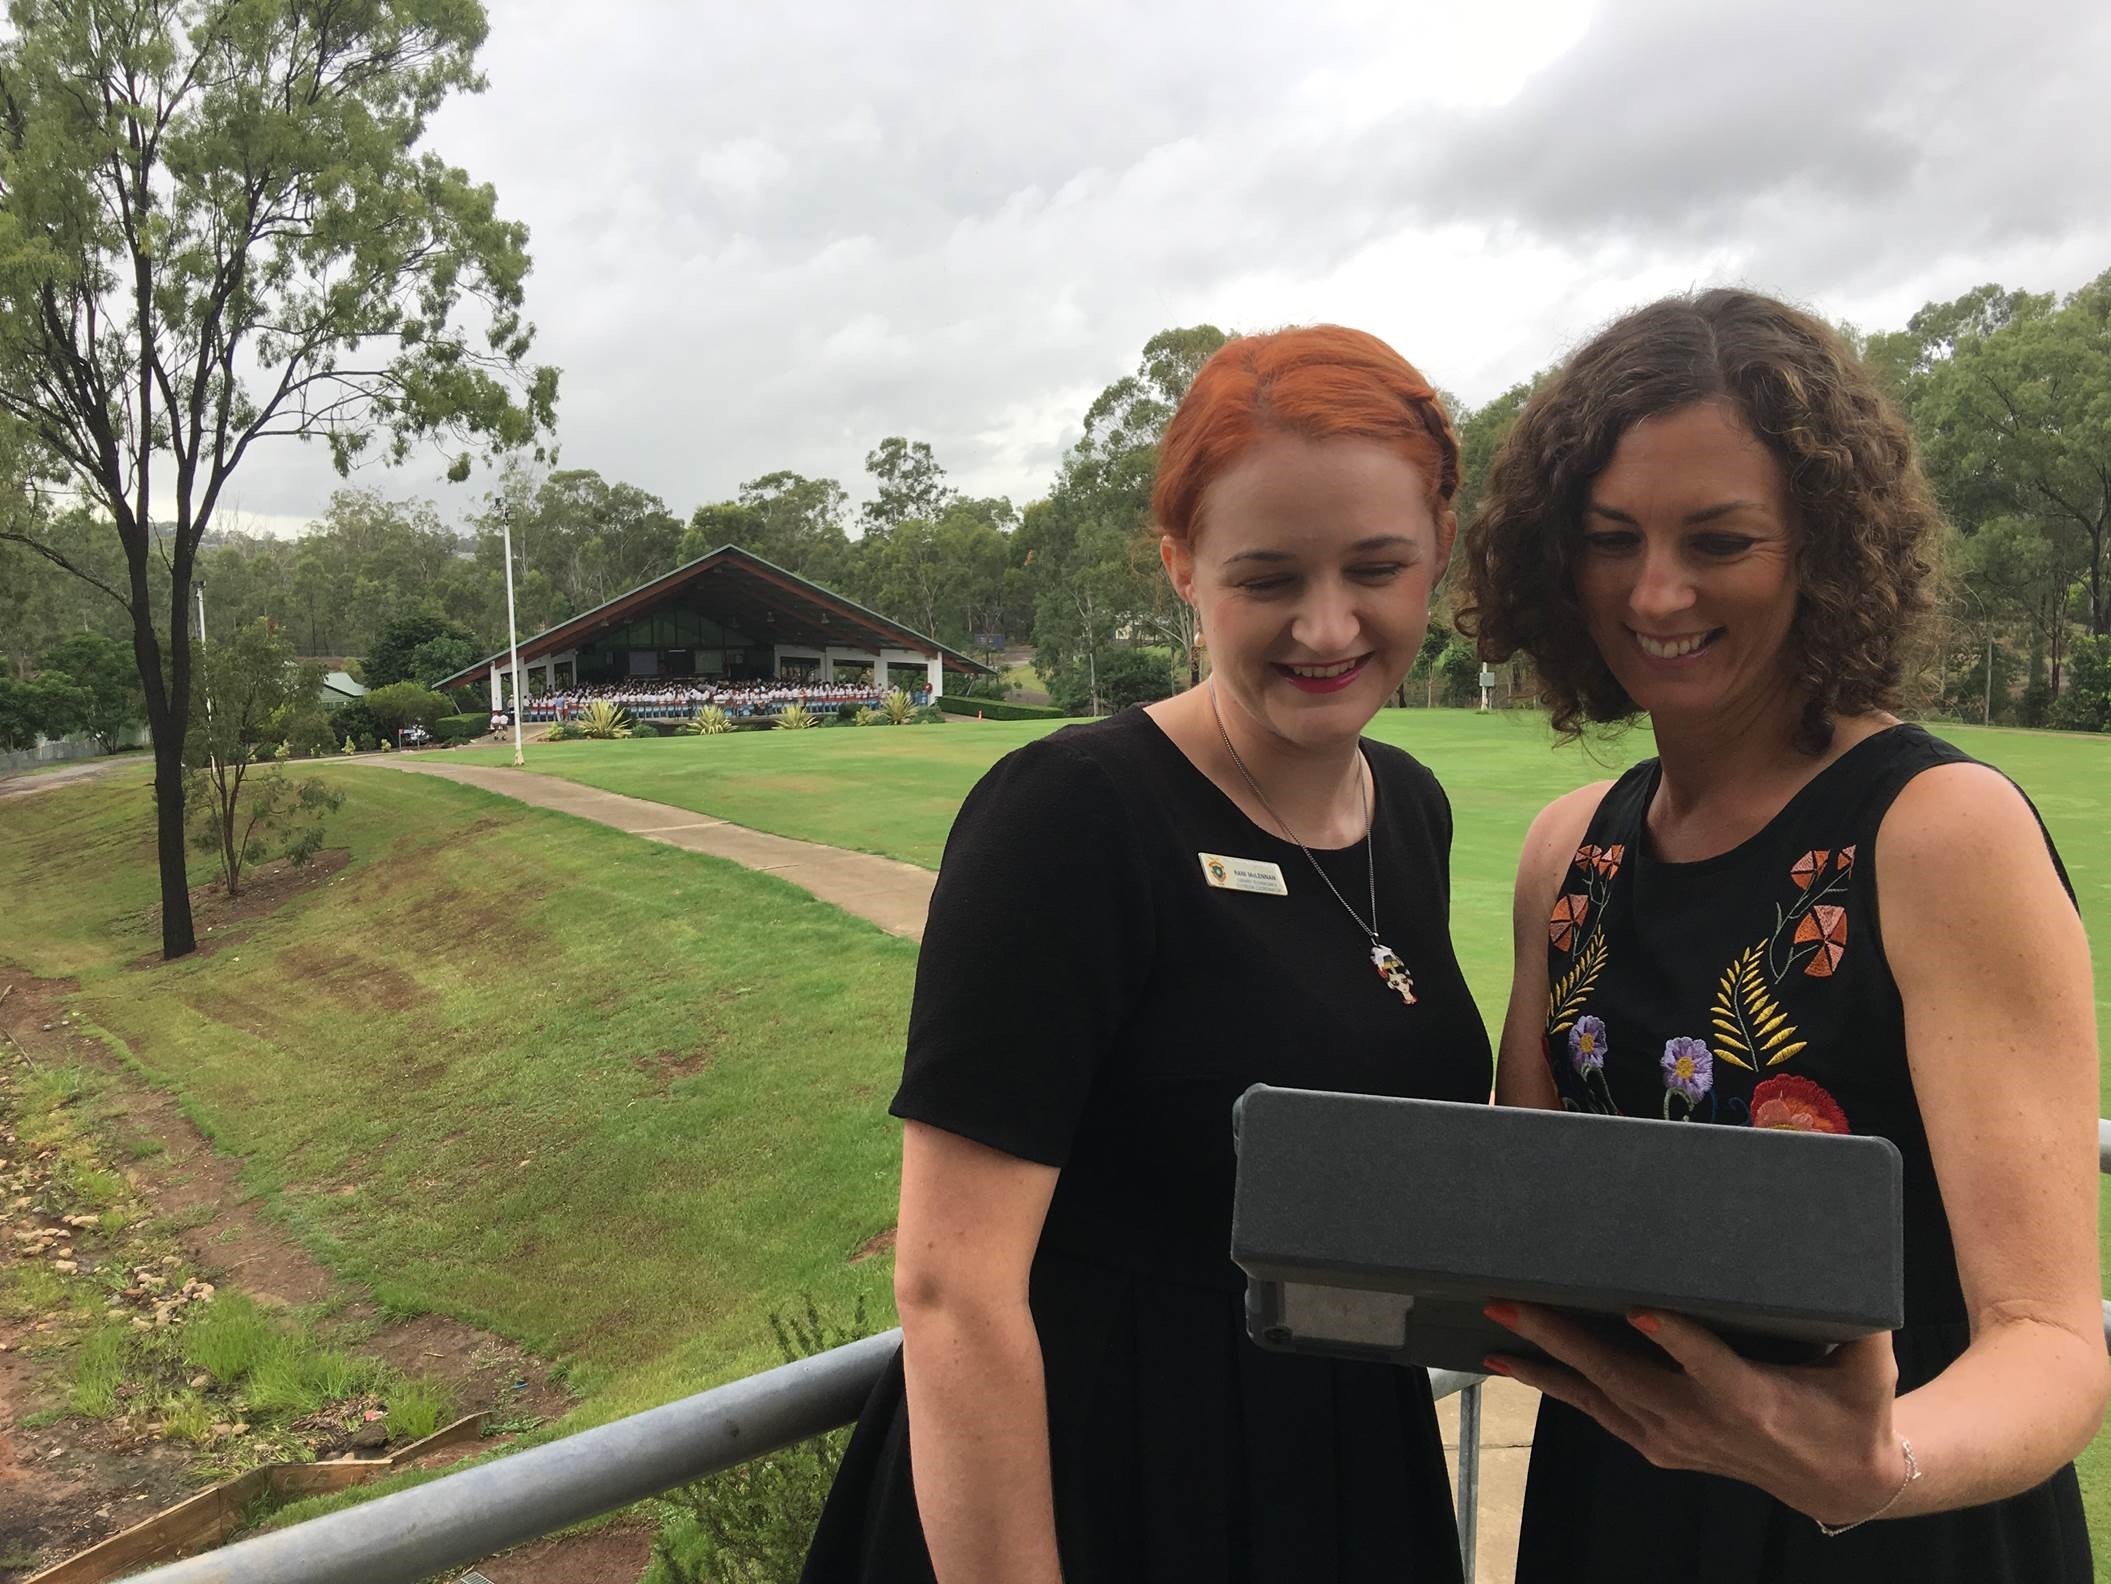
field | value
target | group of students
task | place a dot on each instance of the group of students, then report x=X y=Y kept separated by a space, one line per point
x=659 y=696
x=1710 y=516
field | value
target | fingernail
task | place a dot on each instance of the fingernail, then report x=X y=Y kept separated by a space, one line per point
x=1494 y=1365
x=1501 y=1313
x=1647 y=1324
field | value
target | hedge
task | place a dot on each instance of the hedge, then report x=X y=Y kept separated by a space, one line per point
x=461 y=728
x=996 y=709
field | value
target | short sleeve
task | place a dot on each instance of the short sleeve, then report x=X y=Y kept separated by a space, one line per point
x=1038 y=941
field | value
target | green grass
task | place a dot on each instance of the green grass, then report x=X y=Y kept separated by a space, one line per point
x=612 y=1099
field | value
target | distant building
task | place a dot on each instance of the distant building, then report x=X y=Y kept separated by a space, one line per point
x=727 y=616
x=339 y=688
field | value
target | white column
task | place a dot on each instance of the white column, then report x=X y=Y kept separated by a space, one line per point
x=494 y=686
x=935 y=669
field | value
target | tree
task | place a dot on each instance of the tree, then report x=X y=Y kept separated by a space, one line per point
x=402 y=704
x=102 y=669
x=395 y=655
x=2018 y=418
x=50 y=705
x=255 y=695
x=219 y=232
x=911 y=486
x=1095 y=563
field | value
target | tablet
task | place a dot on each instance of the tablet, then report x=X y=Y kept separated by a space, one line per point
x=1374 y=1227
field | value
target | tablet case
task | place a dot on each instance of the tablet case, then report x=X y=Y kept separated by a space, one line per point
x=1376 y=1227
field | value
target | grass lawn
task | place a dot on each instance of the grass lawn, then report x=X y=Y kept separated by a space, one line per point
x=612 y=1099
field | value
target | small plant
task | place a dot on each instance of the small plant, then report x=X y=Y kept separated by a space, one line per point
x=709 y=721
x=283 y=752
x=416 y=1410
x=753 y=1524
x=185 y=1416
x=897 y=709
x=797 y=717
x=98 y=1369
x=867 y=716
x=604 y=720
x=349 y=748
x=230 y=1339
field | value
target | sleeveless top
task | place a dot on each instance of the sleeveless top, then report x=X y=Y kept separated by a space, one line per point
x=1751 y=989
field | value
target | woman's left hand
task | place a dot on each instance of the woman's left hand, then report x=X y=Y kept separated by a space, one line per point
x=1817 y=1437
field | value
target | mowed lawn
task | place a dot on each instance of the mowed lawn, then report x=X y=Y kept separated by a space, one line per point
x=612 y=1099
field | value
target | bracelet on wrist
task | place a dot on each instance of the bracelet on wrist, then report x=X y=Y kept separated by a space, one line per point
x=1912 y=1474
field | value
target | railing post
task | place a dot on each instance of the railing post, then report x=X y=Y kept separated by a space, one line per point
x=1469 y=1477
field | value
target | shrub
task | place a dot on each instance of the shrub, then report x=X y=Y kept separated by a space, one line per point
x=896 y=708
x=2084 y=703
x=709 y=721
x=646 y=728
x=997 y=709
x=461 y=728
x=753 y=1524
x=604 y=720
x=797 y=717
x=354 y=720
x=563 y=731
x=402 y=704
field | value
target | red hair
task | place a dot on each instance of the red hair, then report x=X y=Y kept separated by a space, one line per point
x=1319 y=382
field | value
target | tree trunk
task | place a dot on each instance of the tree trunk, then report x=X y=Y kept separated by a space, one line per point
x=178 y=938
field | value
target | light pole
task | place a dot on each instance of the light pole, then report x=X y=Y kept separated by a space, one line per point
x=505 y=528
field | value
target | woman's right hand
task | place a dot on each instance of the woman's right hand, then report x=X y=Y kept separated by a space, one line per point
x=978 y=1446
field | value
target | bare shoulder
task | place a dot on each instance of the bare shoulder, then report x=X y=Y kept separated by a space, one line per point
x=1556 y=832
x=1960 y=825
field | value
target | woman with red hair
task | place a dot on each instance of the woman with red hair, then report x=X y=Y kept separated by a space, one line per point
x=1137 y=919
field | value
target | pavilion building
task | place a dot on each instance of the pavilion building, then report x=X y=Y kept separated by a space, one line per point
x=729 y=616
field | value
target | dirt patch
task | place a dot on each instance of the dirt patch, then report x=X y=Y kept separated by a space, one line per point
x=219 y=922
x=68 y=1483
x=484 y=1370
x=354 y=982
x=614 y=1555
x=664 y=1066
x=873 y=1247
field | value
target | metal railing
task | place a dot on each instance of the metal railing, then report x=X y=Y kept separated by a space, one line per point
x=461 y=1518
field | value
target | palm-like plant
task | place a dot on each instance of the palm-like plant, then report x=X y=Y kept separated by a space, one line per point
x=868 y=717
x=604 y=719
x=709 y=721
x=797 y=717
x=897 y=708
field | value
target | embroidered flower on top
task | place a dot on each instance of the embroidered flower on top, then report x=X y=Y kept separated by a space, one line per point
x=1569 y=913
x=1826 y=928
x=1587 y=1044
x=1788 y=1101
x=1689 y=1070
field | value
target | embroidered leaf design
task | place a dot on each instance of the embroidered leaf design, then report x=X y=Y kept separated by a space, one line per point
x=1751 y=1029
x=1565 y=1001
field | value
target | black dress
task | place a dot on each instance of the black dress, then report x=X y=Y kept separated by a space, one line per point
x=1087 y=1000
x=1752 y=989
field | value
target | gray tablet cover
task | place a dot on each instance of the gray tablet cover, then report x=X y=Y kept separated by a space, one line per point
x=1374 y=1227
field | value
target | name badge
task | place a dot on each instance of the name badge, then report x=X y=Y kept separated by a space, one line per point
x=1243 y=874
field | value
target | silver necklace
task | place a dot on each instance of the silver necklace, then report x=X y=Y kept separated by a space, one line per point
x=1390 y=968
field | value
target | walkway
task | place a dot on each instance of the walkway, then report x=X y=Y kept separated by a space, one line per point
x=896 y=896
x=892 y=894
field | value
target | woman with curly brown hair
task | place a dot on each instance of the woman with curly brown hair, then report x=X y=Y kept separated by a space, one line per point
x=1712 y=517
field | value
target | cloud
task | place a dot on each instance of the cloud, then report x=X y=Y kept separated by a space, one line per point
x=767 y=237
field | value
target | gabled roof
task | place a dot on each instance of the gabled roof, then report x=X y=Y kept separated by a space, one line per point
x=765 y=600
x=341 y=682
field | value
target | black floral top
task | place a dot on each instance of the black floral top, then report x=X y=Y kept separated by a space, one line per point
x=1751 y=989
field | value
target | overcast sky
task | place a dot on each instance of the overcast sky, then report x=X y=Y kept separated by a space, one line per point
x=765 y=237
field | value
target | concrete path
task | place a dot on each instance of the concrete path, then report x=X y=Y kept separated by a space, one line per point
x=892 y=894
x=27 y=783
x=896 y=897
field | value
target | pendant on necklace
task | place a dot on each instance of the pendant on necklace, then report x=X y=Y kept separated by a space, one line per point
x=1393 y=971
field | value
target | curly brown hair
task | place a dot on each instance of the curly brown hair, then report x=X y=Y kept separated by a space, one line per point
x=1869 y=524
